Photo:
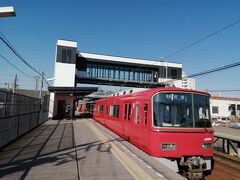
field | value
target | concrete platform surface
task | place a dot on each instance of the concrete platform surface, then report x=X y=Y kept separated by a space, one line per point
x=60 y=150
x=78 y=149
x=229 y=133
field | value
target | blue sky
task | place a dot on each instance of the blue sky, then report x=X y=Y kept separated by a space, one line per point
x=147 y=29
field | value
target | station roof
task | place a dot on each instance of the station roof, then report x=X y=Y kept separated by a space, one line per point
x=76 y=91
x=127 y=60
x=225 y=98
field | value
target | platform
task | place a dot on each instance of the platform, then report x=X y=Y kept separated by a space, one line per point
x=79 y=149
x=228 y=133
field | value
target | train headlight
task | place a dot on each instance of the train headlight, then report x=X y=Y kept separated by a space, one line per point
x=168 y=146
x=207 y=145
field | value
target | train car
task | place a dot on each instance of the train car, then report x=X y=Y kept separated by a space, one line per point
x=171 y=124
x=85 y=108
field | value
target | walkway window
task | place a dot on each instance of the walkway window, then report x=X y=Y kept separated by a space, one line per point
x=121 y=73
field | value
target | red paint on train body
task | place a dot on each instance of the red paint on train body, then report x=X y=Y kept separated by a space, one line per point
x=163 y=122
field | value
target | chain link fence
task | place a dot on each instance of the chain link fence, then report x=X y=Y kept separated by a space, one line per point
x=19 y=114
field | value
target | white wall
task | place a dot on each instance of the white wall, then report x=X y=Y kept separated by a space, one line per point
x=64 y=75
x=222 y=107
x=67 y=43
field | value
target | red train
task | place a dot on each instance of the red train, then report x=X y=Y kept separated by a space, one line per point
x=85 y=108
x=170 y=123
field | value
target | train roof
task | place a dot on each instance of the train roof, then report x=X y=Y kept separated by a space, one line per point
x=152 y=91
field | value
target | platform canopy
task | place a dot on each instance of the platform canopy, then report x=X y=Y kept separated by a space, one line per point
x=74 y=91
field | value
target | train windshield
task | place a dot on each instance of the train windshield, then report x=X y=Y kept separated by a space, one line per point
x=181 y=110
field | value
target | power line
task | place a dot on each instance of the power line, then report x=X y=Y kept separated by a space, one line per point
x=209 y=71
x=6 y=42
x=215 y=70
x=194 y=43
x=10 y=46
x=15 y=66
x=202 y=39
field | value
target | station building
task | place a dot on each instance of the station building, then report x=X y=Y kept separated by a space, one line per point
x=74 y=68
x=224 y=107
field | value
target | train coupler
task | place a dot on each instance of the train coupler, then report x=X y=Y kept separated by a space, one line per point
x=195 y=167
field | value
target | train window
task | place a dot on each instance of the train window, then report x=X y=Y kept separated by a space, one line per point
x=181 y=110
x=111 y=110
x=145 y=113
x=129 y=111
x=201 y=111
x=114 y=111
x=173 y=110
x=125 y=112
x=100 y=109
x=137 y=118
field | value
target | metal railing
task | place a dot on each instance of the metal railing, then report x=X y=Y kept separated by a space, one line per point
x=229 y=144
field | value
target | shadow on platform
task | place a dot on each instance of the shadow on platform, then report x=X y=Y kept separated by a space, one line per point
x=49 y=148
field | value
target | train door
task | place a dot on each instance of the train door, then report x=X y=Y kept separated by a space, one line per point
x=145 y=134
x=105 y=115
x=126 y=118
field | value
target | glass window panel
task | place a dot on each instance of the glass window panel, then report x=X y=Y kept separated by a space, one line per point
x=173 y=110
x=137 y=117
x=215 y=109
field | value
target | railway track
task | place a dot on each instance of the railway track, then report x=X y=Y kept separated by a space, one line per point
x=226 y=167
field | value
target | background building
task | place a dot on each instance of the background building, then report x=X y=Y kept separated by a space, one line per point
x=224 y=107
x=185 y=82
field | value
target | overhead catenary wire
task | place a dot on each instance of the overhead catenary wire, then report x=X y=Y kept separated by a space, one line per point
x=202 y=39
x=214 y=70
x=15 y=66
x=11 y=47
x=208 y=71
x=194 y=43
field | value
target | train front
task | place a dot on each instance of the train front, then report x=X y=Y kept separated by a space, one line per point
x=182 y=133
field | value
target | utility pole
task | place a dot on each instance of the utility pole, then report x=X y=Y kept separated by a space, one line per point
x=41 y=86
x=37 y=78
x=15 y=85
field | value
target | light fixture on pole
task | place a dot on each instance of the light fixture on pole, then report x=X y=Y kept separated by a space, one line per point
x=7 y=11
